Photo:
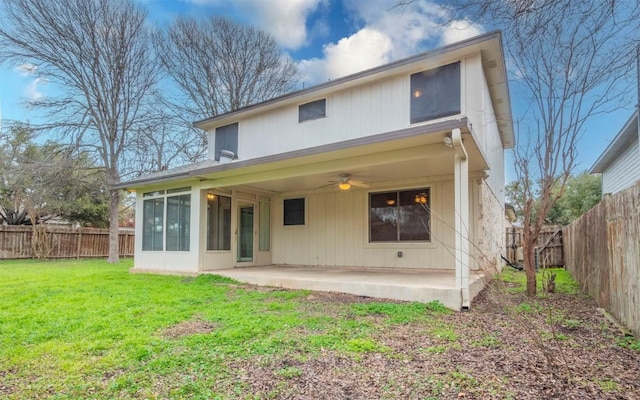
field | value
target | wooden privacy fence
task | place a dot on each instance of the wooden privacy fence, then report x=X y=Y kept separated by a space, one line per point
x=15 y=242
x=602 y=252
x=549 y=245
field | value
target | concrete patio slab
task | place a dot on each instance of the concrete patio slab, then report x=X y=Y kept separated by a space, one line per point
x=396 y=284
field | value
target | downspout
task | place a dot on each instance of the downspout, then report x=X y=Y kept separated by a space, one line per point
x=461 y=194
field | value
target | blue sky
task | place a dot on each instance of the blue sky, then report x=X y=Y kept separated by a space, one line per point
x=327 y=39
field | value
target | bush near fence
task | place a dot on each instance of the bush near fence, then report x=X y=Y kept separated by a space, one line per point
x=15 y=242
x=602 y=252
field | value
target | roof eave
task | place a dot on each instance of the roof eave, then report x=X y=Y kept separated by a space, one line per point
x=357 y=78
x=196 y=173
x=132 y=184
x=629 y=129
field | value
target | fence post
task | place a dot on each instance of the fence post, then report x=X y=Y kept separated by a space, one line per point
x=124 y=244
x=79 y=244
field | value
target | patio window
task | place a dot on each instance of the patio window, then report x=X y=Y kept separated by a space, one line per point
x=313 y=110
x=218 y=222
x=400 y=216
x=175 y=235
x=178 y=222
x=152 y=225
x=226 y=139
x=294 y=211
x=435 y=93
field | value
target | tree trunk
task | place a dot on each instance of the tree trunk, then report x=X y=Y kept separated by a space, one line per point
x=528 y=249
x=114 y=228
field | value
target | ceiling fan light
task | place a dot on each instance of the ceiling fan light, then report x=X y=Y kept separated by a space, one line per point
x=344 y=186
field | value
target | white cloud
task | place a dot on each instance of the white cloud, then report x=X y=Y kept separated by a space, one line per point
x=26 y=69
x=285 y=20
x=32 y=92
x=365 y=49
x=386 y=33
x=409 y=27
x=459 y=30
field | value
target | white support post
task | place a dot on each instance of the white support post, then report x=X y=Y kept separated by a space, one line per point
x=461 y=184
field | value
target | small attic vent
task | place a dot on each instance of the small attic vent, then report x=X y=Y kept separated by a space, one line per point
x=492 y=64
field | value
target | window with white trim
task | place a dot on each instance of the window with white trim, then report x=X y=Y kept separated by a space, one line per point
x=226 y=140
x=153 y=224
x=294 y=211
x=313 y=110
x=166 y=221
x=435 y=93
x=218 y=222
x=400 y=216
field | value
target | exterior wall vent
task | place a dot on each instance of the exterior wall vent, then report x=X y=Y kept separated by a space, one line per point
x=226 y=156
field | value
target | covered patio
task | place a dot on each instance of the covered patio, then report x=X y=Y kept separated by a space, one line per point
x=396 y=284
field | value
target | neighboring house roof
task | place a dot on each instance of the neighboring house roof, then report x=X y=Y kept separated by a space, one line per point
x=627 y=134
x=489 y=44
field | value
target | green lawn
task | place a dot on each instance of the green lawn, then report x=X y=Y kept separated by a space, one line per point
x=88 y=329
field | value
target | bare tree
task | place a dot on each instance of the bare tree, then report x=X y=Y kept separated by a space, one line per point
x=571 y=60
x=221 y=66
x=159 y=142
x=99 y=56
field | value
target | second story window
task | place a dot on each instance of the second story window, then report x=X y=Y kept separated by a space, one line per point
x=314 y=110
x=435 y=93
x=226 y=139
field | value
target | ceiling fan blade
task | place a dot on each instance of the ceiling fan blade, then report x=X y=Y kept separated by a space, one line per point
x=333 y=183
x=359 y=184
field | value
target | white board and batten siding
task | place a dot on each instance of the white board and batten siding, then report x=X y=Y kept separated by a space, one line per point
x=352 y=113
x=360 y=111
x=482 y=117
x=336 y=233
x=624 y=171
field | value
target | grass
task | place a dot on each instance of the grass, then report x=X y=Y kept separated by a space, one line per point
x=88 y=329
x=564 y=282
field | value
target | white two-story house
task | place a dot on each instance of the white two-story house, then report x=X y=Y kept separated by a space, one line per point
x=400 y=167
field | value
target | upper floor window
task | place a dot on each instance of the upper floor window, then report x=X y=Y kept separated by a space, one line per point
x=400 y=216
x=226 y=139
x=314 y=110
x=435 y=93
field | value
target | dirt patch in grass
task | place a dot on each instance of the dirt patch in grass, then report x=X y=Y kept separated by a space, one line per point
x=188 y=328
x=343 y=298
x=506 y=346
x=6 y=388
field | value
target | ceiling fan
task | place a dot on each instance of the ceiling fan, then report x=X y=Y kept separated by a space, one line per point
x=346 y=182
